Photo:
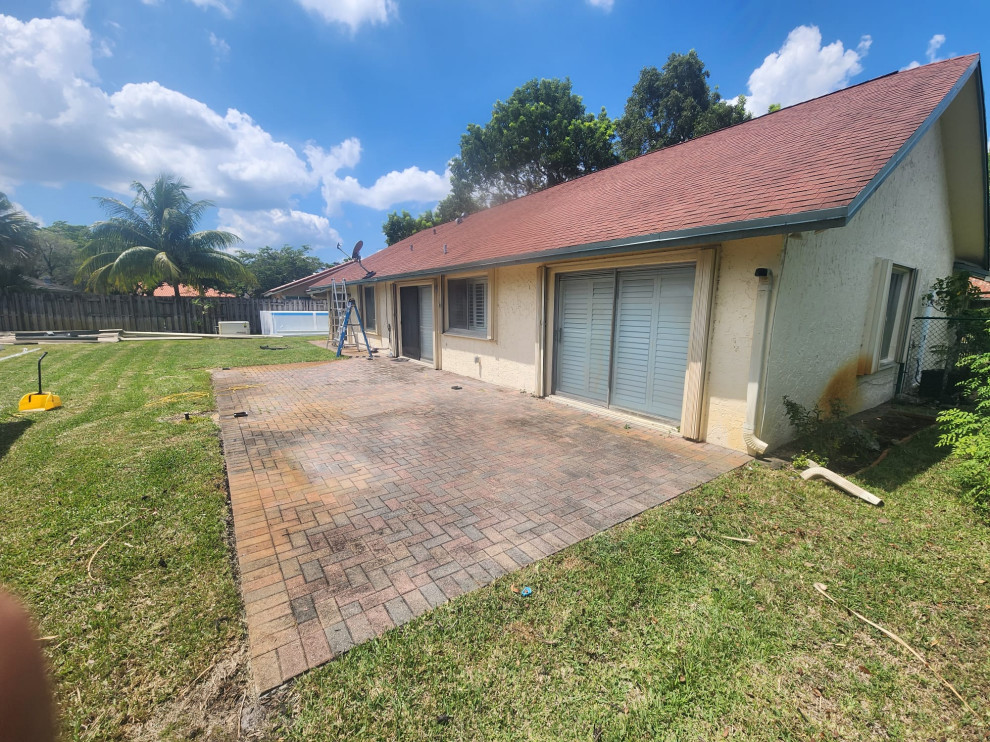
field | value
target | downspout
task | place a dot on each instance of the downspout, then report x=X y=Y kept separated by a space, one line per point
x=393 y=328
x=541 y=330
x=757 y=359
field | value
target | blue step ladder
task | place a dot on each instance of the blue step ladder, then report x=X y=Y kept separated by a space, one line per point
x=346 y=322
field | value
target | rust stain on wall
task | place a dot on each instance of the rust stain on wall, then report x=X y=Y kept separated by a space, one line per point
x=842 y=386
x=865 y=365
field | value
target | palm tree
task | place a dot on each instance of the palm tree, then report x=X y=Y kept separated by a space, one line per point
x=152 y=241
x=17 y=233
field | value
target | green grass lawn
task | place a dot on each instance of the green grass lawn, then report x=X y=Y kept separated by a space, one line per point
x=662 y=629
x=163 y=604
x=658 y=629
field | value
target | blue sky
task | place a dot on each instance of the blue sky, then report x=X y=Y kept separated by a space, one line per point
x=307 y=121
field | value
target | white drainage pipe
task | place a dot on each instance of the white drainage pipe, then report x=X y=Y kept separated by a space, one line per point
x=756 y=360
x=820 y=472
x=18 y=355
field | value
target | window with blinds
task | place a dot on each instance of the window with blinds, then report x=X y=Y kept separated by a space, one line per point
x=467 y=305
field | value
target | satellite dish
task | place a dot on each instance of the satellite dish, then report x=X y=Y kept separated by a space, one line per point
x=356 y=257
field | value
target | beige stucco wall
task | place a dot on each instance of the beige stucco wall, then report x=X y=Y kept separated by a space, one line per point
x=379 y=337
x=826 y=281
x=509 y=357
x=822 y=285
x=731 y=337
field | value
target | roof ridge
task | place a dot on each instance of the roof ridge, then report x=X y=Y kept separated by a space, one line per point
x=809 y=166
x=688 y=141
x=794 y=105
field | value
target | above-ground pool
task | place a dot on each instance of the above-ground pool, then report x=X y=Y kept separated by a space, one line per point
x=294 y=323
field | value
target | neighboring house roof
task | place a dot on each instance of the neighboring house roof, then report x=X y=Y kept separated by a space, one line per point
x=187 y=291
x=809 y=166
x=301 y=284
x=982 y=284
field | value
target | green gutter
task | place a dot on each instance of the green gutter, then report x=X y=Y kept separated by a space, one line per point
x=804 y=221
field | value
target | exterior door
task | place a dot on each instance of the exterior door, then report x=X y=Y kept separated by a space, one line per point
x=425 y=323
x=409 y=321
x=622 y=338
x=652 y=330
x=584 y=335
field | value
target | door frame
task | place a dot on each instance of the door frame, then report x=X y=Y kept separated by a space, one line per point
x=704 y=259
x=437 y=309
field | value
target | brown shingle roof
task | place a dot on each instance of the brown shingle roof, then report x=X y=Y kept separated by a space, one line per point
x=187 y=291
x=813 y=158
x=305 y=282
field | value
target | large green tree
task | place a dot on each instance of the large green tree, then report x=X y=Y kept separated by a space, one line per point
x=153 y=241
x=60 y=251
x=17 y=234
x=273 y=266
x=541 y=136
x=399 y=226
x=672 y=105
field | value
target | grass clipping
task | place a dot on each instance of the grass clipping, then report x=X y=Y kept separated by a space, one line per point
x=823 y=589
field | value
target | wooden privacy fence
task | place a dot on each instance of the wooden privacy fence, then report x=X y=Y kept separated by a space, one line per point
x=22 y=312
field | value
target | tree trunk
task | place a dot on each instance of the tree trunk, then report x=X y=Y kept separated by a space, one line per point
x=175 y=288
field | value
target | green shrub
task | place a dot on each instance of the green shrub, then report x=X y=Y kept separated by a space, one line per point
x=828 y=433
x=804 y=459
x=967 y=432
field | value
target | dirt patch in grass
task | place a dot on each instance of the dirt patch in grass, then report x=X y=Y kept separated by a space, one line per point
x=891 y=424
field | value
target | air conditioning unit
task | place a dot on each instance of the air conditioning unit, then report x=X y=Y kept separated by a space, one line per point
x=235 y=328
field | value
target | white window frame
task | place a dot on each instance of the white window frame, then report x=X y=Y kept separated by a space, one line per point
x=484 y=332
x=887 y=309
x=373 y=325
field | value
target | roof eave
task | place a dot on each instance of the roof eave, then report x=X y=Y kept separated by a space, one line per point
x=293 y=284
x=981 y=102
x=783 y=224
x=883 y=173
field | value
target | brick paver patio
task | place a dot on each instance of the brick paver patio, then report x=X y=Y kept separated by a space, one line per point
x=368 y=492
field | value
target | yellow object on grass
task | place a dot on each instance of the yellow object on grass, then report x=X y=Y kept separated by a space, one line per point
x=39 y=402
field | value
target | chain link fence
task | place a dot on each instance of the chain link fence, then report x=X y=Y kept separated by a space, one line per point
x=935 y=346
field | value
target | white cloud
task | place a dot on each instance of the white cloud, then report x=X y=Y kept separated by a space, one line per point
x=221 y=49
x=37 y=220
x=931 y=53
x=220 y=5
x=71 y=8
x=224 y=6
x=57 y=125
x=275 y=227
x=934 y=44
x=802 y=69
x=605 y=5
x=352 y=13
x=411 y=184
